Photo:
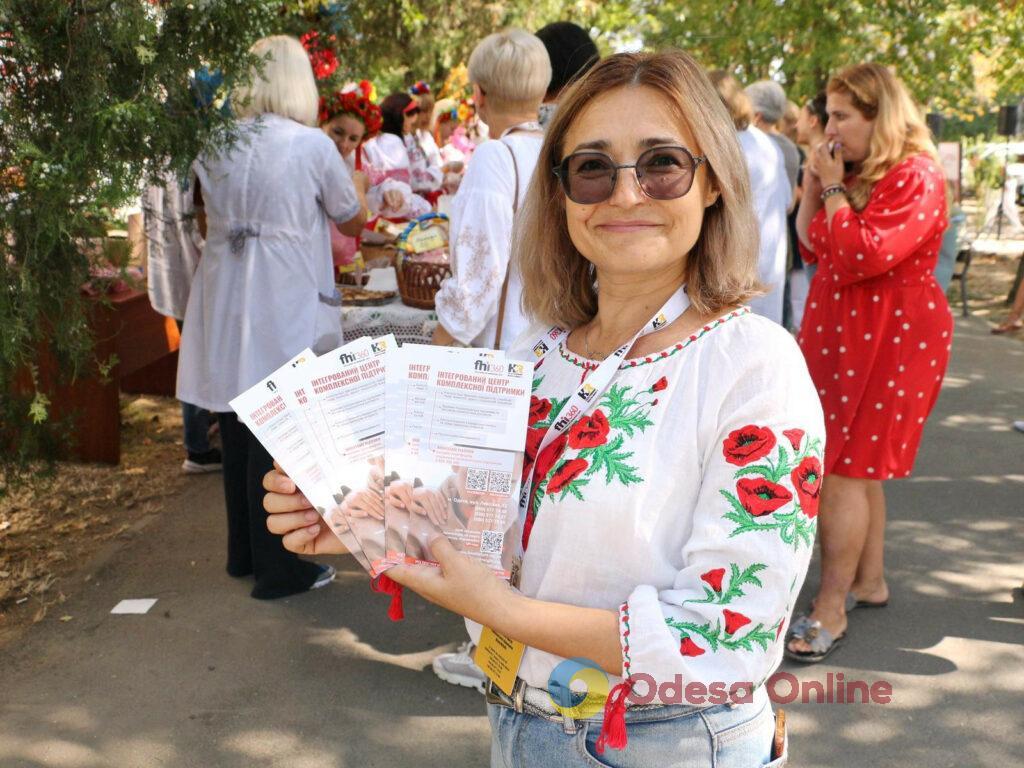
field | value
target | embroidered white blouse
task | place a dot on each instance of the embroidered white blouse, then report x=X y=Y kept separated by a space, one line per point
x=686 y=500
x=480 y=242
x=424 y=161
x=264 y=289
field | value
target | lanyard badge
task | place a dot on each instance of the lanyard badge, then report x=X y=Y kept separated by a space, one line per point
x=588 y=393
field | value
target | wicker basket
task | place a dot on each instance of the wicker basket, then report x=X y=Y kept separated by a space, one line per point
x=419 y=279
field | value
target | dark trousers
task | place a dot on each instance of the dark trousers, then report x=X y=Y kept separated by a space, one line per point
x=252 y=549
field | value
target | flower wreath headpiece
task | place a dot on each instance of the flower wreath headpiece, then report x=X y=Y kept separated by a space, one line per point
x=355 y=100
x=419 y=88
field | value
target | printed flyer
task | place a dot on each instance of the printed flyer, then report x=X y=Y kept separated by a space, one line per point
x=345 y=412
x=265 y=409
x=454 y=452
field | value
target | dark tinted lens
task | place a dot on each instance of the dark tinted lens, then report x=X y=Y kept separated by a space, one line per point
x=589 y=178
x=665 y=172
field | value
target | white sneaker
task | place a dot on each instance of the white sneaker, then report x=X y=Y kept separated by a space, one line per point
x=1019 y=426
x=458 y=668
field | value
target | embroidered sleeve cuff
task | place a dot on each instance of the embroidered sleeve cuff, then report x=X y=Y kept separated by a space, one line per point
x=649 y=647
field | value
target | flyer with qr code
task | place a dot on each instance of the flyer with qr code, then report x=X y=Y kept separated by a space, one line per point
x=407 y=373
x=267 y=410
x=456 y=469
x=345 y=408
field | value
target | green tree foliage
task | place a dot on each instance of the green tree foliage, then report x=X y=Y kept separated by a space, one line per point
x=94 y=97
x=938 y=47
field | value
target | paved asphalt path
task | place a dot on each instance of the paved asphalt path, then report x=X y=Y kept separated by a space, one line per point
x=211 y=678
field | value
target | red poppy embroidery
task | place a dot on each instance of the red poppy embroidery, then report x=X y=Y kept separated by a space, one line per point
x=540 y=408
x=748 y=444
x=714 y=578
x=795 y=436
x=778 y=629
x=660 y=385
x=734 y=621
x=590 y=431
x=760 y=496
x=566 y=473
x=807 y=482
x=690 y=648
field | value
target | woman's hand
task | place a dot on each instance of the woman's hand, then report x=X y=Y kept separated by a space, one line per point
x=828 y=165
x=289 y=514
x=393 y=200
x=461 y=584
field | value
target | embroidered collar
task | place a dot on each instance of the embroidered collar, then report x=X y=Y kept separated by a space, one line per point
x=636 y=362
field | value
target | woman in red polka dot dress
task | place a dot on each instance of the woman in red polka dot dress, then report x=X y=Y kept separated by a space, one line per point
x=877 y=329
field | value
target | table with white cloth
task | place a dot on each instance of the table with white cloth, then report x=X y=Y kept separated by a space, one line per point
x=409 y=324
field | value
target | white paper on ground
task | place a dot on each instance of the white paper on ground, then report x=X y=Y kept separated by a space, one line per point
x=134 y=605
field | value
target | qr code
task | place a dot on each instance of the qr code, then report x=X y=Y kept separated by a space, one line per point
x=476 y=480
x=500 y=482
x=490 y=542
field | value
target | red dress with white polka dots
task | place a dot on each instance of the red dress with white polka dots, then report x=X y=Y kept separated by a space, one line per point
x=877 y=329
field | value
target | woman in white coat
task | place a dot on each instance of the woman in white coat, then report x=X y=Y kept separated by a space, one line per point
x=264 y=289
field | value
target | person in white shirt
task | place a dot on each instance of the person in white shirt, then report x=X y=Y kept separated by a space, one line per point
x=264 y=289
x=173 y=248
x=510 y=72
x=669 y=526
x=770 y=191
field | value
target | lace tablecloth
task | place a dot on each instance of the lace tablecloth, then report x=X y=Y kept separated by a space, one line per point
x=410 y=325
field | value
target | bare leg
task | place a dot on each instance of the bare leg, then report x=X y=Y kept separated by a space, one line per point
x=843 y=522
x=869 y=584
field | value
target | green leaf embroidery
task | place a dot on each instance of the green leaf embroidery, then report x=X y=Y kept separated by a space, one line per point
x=716 y=637
x=737 y=580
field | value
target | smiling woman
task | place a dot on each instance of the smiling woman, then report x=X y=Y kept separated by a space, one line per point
x=673 y=495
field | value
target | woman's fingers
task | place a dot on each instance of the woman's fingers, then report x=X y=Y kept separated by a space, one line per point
x=301 y=541
x=285 y=522
x=276 y=503
x=277 y=481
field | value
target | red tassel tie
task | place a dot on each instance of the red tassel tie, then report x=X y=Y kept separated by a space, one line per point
x=388 y=586
x=613 y=729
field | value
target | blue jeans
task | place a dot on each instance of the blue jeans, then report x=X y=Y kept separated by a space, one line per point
x=675 y=736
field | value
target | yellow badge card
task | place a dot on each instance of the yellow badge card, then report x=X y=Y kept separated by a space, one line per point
x=499 y=657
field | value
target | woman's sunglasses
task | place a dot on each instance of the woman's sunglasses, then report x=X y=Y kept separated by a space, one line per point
x=664 y=173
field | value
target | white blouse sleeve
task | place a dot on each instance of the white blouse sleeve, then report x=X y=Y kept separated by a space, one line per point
x=480 y=243
x=337 y=190
x=723 y=619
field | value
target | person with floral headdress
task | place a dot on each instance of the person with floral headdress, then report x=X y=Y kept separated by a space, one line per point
x=424 y=155
x=444 y=124
x=349 y=117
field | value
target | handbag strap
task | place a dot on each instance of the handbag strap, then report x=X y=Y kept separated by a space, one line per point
x=508 y=269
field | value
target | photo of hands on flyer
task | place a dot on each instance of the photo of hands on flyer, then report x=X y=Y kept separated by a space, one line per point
x=395 y=446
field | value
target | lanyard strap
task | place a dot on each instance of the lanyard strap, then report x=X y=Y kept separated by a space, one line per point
x=590 y=390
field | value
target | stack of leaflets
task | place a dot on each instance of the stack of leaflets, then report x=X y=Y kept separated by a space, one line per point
x=395 y=446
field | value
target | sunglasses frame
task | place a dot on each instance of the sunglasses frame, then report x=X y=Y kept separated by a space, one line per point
x=561 y=171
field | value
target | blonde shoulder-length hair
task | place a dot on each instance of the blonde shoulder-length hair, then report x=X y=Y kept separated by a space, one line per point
x=721 y=269
x=899 y=130
x=283 y=84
